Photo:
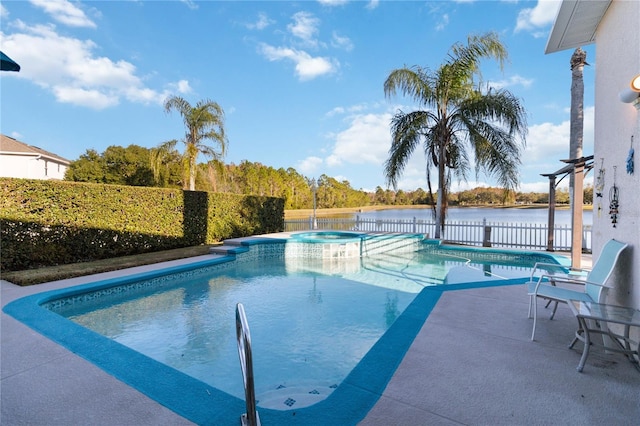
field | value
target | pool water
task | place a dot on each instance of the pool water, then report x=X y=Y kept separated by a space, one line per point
x=306 y=328
x=329 y=322
x=311 y=320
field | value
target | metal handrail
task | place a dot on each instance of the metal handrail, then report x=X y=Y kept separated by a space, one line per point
x=250 y=418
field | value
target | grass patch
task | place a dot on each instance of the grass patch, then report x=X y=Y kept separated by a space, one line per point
x=61 y=272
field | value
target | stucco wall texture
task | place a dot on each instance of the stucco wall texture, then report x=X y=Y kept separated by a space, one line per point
x=617 y=62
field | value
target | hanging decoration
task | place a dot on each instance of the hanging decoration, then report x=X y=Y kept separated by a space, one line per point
x=614 y=201
x=600 y=186
x=630 y=158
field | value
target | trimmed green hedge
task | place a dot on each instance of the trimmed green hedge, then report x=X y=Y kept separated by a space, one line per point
x=46 y=223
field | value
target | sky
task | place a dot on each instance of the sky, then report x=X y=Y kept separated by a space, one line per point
x=301 y=82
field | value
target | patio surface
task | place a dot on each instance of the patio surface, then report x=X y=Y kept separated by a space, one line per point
x=471 y=364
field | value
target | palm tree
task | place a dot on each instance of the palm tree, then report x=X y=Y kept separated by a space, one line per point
x=457 y=115
x=203 y=121
x=161 y=159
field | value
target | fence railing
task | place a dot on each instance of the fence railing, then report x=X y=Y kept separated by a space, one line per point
x=532 y=236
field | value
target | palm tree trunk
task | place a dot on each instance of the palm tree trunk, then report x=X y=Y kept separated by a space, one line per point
x=440 y=202
x=578 y=61
x=192 y=174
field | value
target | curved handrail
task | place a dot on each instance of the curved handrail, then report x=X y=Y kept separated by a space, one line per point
x=250 y=418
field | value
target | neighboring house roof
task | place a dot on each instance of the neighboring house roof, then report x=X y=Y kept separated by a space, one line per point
x=576 y=24
x=11 y=146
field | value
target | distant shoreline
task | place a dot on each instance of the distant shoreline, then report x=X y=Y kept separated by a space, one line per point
x=305 y=213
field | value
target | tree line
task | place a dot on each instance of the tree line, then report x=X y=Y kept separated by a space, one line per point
x=138 y=166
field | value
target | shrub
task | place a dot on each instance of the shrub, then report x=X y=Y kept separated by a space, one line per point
x=46 y=223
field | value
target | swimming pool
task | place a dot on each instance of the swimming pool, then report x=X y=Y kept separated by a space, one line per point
x=402 y=270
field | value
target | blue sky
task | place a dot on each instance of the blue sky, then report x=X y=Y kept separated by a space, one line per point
x=301 y=82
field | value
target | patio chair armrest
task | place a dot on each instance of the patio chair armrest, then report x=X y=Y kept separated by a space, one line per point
x=542 y=281
x=539 y=265
x=554 y=279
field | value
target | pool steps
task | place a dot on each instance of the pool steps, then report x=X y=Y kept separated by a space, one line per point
x=368 y=244
x=299 y=396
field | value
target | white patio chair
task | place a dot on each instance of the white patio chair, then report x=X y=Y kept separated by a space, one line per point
x=594 y=281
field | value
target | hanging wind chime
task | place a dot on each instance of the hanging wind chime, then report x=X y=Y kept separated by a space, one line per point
x=630 y=158
x=600 y=186
x=614 y=201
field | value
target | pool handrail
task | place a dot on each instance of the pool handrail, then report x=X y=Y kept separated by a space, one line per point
x=250 y=418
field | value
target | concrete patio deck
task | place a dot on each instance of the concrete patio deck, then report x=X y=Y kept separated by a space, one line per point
x=471 y=364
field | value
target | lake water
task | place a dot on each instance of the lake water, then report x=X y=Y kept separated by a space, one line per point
x=476 y=214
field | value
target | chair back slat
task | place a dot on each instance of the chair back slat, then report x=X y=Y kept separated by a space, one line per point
x=603 y=268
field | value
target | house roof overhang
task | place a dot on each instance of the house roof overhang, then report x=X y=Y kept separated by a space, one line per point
x=576 y=24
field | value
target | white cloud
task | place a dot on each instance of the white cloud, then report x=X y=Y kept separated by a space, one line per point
x=65 y=12
x=310 y=165
x=541 y=15
x=514 y=80
x=373 y=4
x=332 y=3
x=181 y=86
x=83 y=97
x=262 y=22
x=307 y=67
x=341 y=42
x=339 y=110
x=4 y=13
x=335 y=111
x=443 y=22
x=69 y=68
x=305 y=27
x=365 y=141
x=548 y=143
x=540 y=186
x=190 y=4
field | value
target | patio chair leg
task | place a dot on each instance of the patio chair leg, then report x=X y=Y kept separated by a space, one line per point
x=535 y=317
x=573 y=342
x=530 y=306
x=553 y=314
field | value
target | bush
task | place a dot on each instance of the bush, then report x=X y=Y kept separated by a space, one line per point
x=46 y=223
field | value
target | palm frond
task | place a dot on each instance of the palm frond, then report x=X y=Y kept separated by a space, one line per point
x=412 y=82
x=406 y=132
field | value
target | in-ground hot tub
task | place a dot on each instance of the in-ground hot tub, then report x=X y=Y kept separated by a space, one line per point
x=327 y=236
x=326 y=244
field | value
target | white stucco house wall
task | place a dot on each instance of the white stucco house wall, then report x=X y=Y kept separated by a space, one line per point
x=19 y=160
x=614 y=27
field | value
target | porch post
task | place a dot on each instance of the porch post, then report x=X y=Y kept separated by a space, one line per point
x=576 y=218
x=552 y=212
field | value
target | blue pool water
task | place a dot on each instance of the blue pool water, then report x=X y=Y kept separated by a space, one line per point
x=328 y=322
x=327 y=236
x=308 y=329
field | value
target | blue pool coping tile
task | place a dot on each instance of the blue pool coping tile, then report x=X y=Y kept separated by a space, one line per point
x=206 y=405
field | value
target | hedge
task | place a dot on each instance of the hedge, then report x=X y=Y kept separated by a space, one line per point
x=46 y=223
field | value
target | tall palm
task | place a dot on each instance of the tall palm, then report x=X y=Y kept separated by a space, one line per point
x=457 y=115
x=204 y=121
x=161 y=159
